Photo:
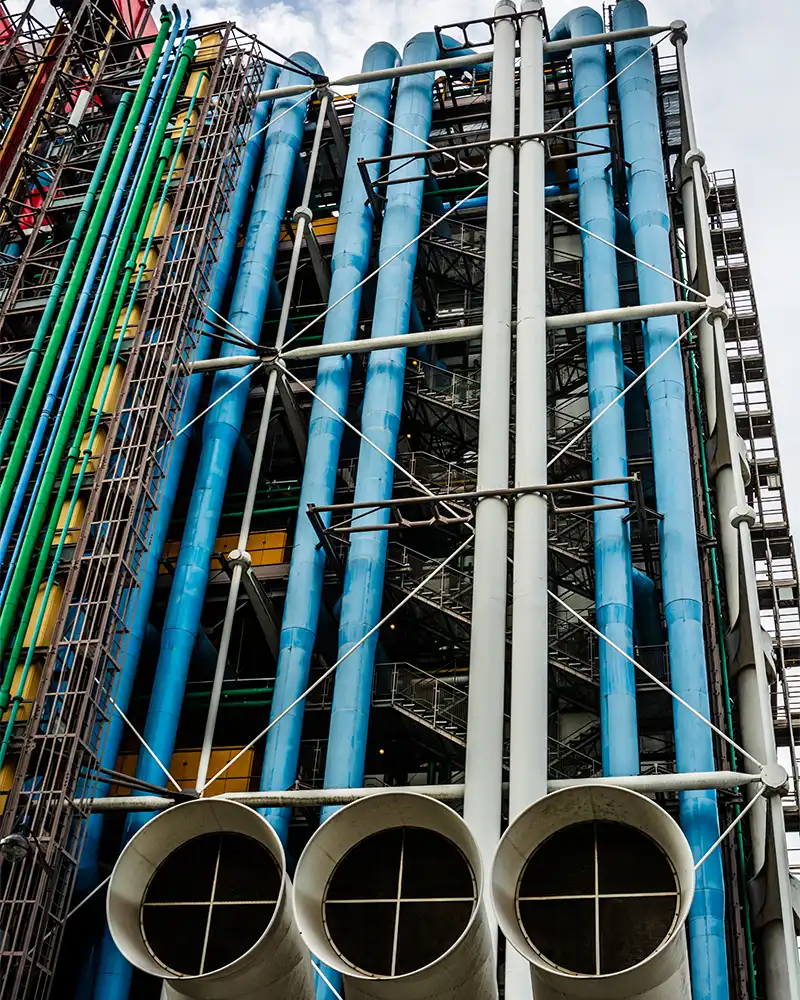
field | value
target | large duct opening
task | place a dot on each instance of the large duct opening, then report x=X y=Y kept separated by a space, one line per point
x=208 y=902
x=597 y=897
x=398 y=900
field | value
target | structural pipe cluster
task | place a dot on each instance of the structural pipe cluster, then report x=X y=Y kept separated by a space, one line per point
x=650 y=221
x=220 y=434
x=380 y=419
x=612 y=550
x=304 y=588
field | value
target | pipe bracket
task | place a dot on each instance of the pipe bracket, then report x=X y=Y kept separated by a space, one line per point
x=742 y=514
x=717 y=307
x=240 y=557
x=694 y=156
x=303 y=212
x=775 y=779
x=678 y=32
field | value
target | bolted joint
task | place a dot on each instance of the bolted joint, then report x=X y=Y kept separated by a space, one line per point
x=693 y=156
x=679 y=32
x=240 y=557
x=775 y=779
x=717 y=307
x=303 y=212
x=742 y=513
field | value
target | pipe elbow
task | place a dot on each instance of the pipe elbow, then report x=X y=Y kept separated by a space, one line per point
x=629 y=14
x=380 y=55
x=576 y=23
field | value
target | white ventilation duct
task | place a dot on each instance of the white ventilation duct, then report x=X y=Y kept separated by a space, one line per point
x=388 y=892
x=592 y=885
x=200 y=898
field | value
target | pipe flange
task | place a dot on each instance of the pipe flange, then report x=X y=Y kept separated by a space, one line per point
x=695 y=156
x=717 y=307
x=679 y=33
x=240 y=557
x=303 y=212
x=742 y=513
x=775 y=779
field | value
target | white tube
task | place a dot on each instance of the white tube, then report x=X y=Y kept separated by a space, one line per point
x=465 y=968
x=277 y=965
x=653 y=843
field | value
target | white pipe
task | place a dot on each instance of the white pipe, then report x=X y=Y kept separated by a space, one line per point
x=485 y=718
x=646 y=783
x=457 y=333
x=276 y=967
x=459 y=62
x=661 y=973
x=465 y=970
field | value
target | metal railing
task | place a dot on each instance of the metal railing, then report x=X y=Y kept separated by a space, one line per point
x=434 y=701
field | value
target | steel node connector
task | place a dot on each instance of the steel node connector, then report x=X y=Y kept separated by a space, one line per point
x=592 y=886
x=200 y=898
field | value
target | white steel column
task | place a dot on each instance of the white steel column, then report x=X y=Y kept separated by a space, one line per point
x=484 y=754
x=528 y=768
x=528 y=759
x=772 y=892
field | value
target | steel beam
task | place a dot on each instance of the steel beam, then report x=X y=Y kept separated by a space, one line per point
x=625 y=314
x=461 y=62
x=647 y=784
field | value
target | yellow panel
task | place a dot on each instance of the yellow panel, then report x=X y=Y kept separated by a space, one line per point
x=109 y=404
x=48 y=619
x=323 y=228
x=267 y=548
x=185 y=764
x=178 y=126
x=75 y=521
x=28 y=692
x=133 y=321
x=98 y=444
x=158 y=221
x=179 y=164
x=149 y=264
x=7 y=772
x=209 y=46
x=197 y=85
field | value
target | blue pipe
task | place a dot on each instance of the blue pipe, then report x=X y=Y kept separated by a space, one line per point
x=87 y=875
x=363 y=588
x=612 y=548
x=649 y=216
x=143 y=131
x=304 y=590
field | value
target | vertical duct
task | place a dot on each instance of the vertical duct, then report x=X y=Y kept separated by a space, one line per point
x=388 y=893
x=593 y=885
x=304 y=589
x=220 y=433
x=363 y=587
x=650 y=222
x=222 y=426
x=200 y=898
x=612 y=549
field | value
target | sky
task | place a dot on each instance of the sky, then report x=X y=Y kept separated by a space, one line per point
x=743 y=76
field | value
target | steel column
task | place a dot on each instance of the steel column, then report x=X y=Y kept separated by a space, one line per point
x=484 y=752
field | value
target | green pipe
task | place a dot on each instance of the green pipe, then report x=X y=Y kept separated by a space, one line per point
x=720 y=625
x=238 y=513
x=65 y=313
x=124 y=291
x=61 y=276
x=88 y=362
